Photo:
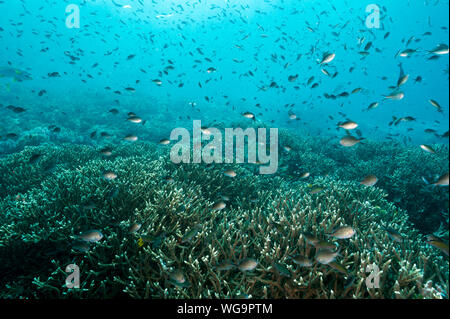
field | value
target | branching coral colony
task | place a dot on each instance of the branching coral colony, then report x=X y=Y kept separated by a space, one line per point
x=164 y=235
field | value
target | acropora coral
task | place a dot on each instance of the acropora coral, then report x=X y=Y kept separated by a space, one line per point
x=182 y=248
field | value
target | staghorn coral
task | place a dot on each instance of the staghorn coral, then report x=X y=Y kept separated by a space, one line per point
x=266 y=219
x=400 y=171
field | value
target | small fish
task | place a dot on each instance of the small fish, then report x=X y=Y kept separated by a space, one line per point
x=219 y=206
x=302 y=261
x=440 y=245
x=131 y=138
x=369 y=180
x=394 y=235
x=106 y=151
x=205 y=130
x=91 y=236
x=305 y=175
x=249 y=115
x=349 y=141
x=248 y=264
x=441 y=49
x=327 y=58
x=322 y=244
x=164 y=142
x=81 y=246
x=427 y=148
x=191 y=234
x=169 y=179
x=134 y=227
x=134 y=119
x=326 y=256
x=338 y=267
x=436 y=105
x=373 y=105
x=282 y=270
x=316 y=190
x=402 y=80
x=109 y=176
x=395 y=96
x=230 y=173
x=443 y=180
x=310 y=238
x=178 y=278
x=348 y=125
x=16 y=109
x=343 y=232
x=406 y=53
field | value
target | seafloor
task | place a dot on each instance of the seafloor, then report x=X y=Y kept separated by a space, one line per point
x=162 y=239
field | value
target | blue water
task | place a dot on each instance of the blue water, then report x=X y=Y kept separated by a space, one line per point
x=35 y=38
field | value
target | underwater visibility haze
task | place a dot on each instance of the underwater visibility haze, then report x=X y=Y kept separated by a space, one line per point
x=117 y=121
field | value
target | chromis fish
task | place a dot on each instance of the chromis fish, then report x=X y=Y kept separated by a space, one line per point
x=335 y=265
x=282 y=270
x=191 y=234
x=394 y=235
x=178 y=278
x=326 y=256
x=440 y=245
x=91 y=236
x=343 y=232
x=369 y=180
x=302 y=261
x=248 y=264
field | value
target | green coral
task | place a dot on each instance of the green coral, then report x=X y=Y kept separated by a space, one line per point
x=265 y=218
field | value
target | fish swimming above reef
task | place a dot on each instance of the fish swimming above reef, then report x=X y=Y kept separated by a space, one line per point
x=394 y=235
x=248 y=264
x=326 y=256
x=91 y=236
x=302 y=261
x=427 y=148
x=16 y=74
x=369 y=180
x=344 y=232
x=440 y=49
x=440 y=245
x=349 y=141
x=442 y=180
x=348 y=125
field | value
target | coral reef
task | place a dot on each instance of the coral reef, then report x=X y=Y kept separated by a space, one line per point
x=406 y=173
x=163 y=236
